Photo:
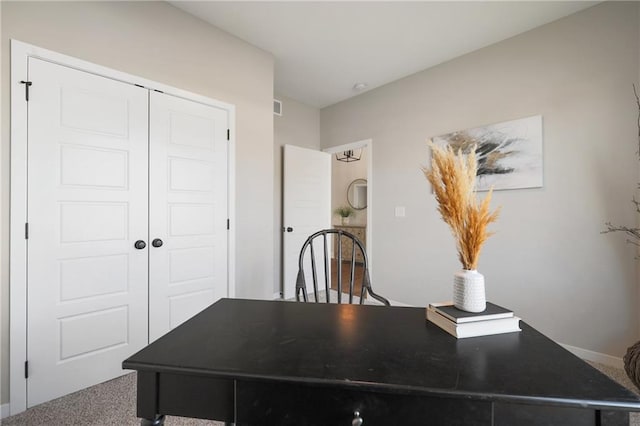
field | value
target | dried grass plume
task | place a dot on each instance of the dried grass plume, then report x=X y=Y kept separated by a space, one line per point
x=453 y=178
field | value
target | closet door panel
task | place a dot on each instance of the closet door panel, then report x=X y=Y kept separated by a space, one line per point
x=87 y=205
x=188 y=209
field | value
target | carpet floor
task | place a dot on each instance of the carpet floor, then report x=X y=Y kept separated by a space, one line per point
x=113 y=403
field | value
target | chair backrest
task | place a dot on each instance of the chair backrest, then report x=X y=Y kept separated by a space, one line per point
x=344 y=239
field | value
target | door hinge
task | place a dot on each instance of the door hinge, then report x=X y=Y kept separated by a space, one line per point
x=27 y=84
x=26 y=231
x=228 y=224
x=26 y=369
x=228 y=134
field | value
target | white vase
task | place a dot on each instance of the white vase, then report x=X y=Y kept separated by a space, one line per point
x=345 y=220
x=468 y=291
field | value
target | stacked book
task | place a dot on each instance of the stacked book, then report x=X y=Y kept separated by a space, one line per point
x=493 y=320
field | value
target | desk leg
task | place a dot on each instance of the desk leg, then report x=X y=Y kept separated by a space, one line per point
x=147 y=399
x=158 y=421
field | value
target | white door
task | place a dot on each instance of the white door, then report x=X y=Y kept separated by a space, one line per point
x=188 y=210
x=306 y=207
x=87 y=205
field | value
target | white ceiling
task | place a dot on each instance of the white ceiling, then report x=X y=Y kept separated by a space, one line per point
x=322 y=49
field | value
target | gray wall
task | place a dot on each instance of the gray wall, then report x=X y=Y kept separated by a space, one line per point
x=548 y=260
x=299 y=125
x=156 y=41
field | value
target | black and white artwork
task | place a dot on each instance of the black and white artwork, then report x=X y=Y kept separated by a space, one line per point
x=509 y=154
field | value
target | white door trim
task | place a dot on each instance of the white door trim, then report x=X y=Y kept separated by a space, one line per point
x=18 y=243
x=364 y=143
x=20 y=52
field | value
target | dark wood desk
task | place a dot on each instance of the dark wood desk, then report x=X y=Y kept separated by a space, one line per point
x=285 y=363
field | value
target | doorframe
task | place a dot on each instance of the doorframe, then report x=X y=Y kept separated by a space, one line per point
x=364 y=143
x=20 y=54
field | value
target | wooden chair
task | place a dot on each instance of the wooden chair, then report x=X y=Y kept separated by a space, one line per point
x=312 y=245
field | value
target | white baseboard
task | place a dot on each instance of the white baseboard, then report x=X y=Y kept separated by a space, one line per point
x=4 y=411
x=396 y=303
x=598 y=357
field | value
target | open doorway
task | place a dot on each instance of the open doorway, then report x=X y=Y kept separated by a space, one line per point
x=309 y=209
x=351 y=191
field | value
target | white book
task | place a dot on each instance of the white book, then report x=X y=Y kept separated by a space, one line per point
x=476 y=328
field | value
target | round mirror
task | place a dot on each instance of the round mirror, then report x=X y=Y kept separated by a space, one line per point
x=357 y=194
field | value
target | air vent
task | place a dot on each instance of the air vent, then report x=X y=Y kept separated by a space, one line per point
x=277 y=107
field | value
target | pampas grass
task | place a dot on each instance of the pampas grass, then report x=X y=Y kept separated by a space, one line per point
x=453 y=178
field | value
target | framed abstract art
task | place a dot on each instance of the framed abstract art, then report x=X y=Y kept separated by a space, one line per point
x=509 y=154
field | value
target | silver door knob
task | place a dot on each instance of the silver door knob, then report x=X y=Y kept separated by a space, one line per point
x=357 y=420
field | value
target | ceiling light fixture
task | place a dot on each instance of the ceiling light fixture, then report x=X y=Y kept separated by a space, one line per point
x=349 y=155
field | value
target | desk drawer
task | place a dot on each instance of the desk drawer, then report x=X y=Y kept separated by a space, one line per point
x=282 y=404
x=193 y=396
x=541 y=415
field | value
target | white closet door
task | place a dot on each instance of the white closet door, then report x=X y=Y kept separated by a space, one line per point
x=87 y=205
x=188 y=209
